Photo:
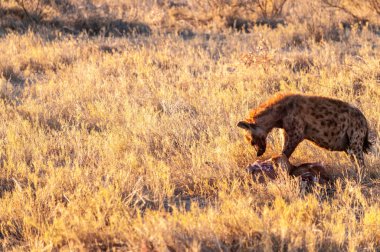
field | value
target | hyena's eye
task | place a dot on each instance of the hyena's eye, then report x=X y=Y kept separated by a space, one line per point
x=248 y=137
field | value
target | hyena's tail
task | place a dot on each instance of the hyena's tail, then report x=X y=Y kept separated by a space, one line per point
x=367 y=144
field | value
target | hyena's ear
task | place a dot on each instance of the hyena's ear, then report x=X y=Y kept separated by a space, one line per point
x=244 y=125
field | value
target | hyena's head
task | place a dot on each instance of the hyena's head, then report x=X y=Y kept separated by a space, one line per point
x=255 y=135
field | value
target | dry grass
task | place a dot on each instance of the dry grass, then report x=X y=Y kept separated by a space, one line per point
x=107 y=142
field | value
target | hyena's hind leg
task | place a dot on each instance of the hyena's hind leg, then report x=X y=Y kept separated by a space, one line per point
x=356 y=157
x=355 y=152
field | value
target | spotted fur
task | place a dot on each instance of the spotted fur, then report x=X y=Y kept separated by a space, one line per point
x=331 y=124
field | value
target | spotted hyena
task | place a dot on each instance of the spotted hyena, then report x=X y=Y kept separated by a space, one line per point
x=329 y=123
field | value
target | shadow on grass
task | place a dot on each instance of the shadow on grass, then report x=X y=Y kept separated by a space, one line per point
x=245 y=25
x=255 y=242
x=17 y=20
x=6 y=185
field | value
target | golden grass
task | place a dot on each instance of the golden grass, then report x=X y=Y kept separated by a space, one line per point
x=94 y=145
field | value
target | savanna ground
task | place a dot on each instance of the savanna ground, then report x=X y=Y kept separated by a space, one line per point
x=118 y=124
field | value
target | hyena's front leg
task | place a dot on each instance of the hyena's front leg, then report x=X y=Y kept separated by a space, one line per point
x=293 y=135
x=292 y=139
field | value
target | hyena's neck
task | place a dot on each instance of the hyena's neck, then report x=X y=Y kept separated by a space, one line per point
x=271 y=119
x=271 y=114
x=267 y=123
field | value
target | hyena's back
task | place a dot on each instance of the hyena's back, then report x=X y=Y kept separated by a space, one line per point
x=332 y=124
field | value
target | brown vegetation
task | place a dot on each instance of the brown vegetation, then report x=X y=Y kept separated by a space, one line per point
x=114 y=141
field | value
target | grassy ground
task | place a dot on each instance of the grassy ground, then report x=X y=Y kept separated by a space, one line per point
x=107 y=141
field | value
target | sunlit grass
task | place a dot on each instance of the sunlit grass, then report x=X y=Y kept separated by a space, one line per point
x=93 y=143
